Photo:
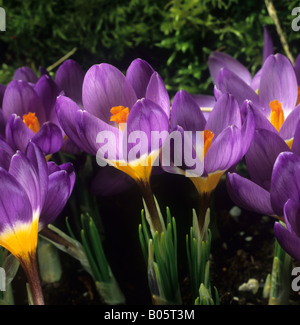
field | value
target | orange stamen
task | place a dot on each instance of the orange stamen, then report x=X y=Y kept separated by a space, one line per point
x=208 y=136
x=298 y=98
x=277 y=115
x=119 y=114
x=32 y=122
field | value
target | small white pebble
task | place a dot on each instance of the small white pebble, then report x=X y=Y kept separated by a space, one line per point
x=235 y=212
x=252 y=285
x=248 y=238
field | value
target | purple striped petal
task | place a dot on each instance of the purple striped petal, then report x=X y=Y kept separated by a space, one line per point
x=219 y=60
x=104 y=87
x=69 y=78
x=261 y=156
x=157 y=92
x=59 y=189
x=256 y=81
x=26 y=74
x=230 y=146
x=285 y=181
x=146 y=123
x=278 y=82
x=228 y=82
x=268 y=44
x=48 y=91
x=291 y=211
x=289 y=125
x=17 y=133
x=38 y=161
x=138 y=74
x=97 y=137
x=16 y=210
x=20 y=98
x=289 y=241
x=186 y=113
x=66 y=110
x=225 y=112
x=48 y=138
x=248 y=195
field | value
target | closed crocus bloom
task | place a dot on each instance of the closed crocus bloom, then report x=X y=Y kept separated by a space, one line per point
x=285 y=199
x=225 y=140
x=218 y=61
x=115 y=125
x=28 y=196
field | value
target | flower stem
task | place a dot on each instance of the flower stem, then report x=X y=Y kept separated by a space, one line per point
x=147 y=194
x=30 y=268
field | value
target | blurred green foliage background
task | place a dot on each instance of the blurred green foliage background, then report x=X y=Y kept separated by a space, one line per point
x=174 y=36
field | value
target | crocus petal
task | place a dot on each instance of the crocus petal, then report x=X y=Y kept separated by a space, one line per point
x=261 y=156
x=48 y=91
x=248 y=195
x=287 y=240
x=291 y=211
x=6 y=153
x=278 y=82
x=38 y=161
x=261 y=121
x=230 y=146
x=234 y=85
x=95 y=134
x=138 y=74
x=20 y=98
x=25 y=173
x=256 y=81
x=26 y=74
x=69 y=78
x=49 y=138
x=146 y=122
x=104 y=87
x=289 y=125
x=268 y=44
x=225 y=112
x=296 y=140
x=219 y=60
x=157 y=92
x=17 y=133
x=205 y=102
x=186 y=113
x=66 y=110
x=57 y=195
x=285 y=180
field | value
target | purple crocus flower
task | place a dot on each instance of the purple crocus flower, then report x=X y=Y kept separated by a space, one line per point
x=275 y=102
x=28 y=111
x=218 y=61
x=116 y=107
x=285 y=198
x=28 y=202
x=226 y=139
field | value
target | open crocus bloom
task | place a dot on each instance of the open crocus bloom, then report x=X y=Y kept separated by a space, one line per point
x=115 y=125
x=28 y=195
x=28 y=113
x=276 y=99
x=225 y=140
